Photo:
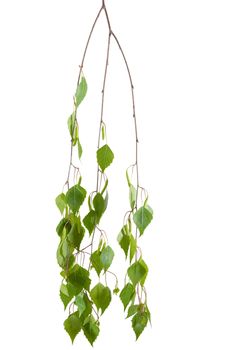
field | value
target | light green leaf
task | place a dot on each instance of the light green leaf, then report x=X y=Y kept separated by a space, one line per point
x=90 y=221
x=79 y=148
x=73 y=325
x=61 y=202
x=103 y=132
x=105 y=157
x=91 y=329
x=138 y=272
x=139 y=322
x=96 y=262
x=79 y=278
x=80 y=92
x=127 y=294
x=132 y=196
x=99 y=205
x=75 y=197
x=133 y=247
x=65 y=294
x=142 y=218
x=106 y=257
x=101 y=296
x=80 y=303
x=132 y=310
x=72 y=125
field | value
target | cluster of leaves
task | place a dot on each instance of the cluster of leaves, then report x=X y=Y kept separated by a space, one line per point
x=87 y=303
x=133 y=291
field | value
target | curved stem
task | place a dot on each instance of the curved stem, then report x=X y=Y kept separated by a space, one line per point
x=79 y=76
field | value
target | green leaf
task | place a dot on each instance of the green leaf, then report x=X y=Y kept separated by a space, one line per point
x=96 y=262
x=79 y=148
x=142 y=218
x=99 y=205
x=139 y=322
x=127 y=294
x=65 y=294
x=88 y=309
x=73 y=325
x=61 y=202
x=80 y=92
x=116 y=291
x=64 y=261
x=106 y=257
x=138 y=272
x=90 y=221
x=75 y=197
x=91 y=330
x=80 y=303
x=72 y=126
x=132 y=310
x=133 y=247
x=63 y=226
x=105 y=157
x=79 y=278
x=103 y=132
x=76 y=234
x=124 y=240
x=105 y=186
x=132 y=196
x=101 y=296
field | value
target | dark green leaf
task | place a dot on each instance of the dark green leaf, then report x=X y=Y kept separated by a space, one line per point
x=106 y=257
x=76 y=234
x=75 y=197
x=105 y=157
x=99 y=205
x=79 y=278
x=80 y=92
x=142 y=218
x=133 y=247
x=61 y=202
x=96 y=262
x=127 y=294
x=73 y=325
x=90 y=221
x=91 y=330
x=65 y=294
x=101 y=296
x=132 y=196
x=63 y=224
x=80 y=303
x=124 y=240
x=139 y=322
x=132 y=310
x=138 y=272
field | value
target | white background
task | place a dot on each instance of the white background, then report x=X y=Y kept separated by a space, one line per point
x=182 y=56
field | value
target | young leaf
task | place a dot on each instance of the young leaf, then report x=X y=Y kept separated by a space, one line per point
x=101 y=296
x=127 y=294
x=138 y=272
x=106 y=257
x=75 y=197
x=132 y=196
x=133 y=247
x=81 y=91
x=132 y=310
x=79 y=278
x=79 y=148
x=96 y=262
x=103 y=132
x=80 y=303
x=91 y=330
x=105 y=157
x=65 y=294
x=90 y=221
x=142 y=218
x=99 y=205
x=61 y=202
x=73 y=325
x=139 y=322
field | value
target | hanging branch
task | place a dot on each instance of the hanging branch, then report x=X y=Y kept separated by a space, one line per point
x=86 y=305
